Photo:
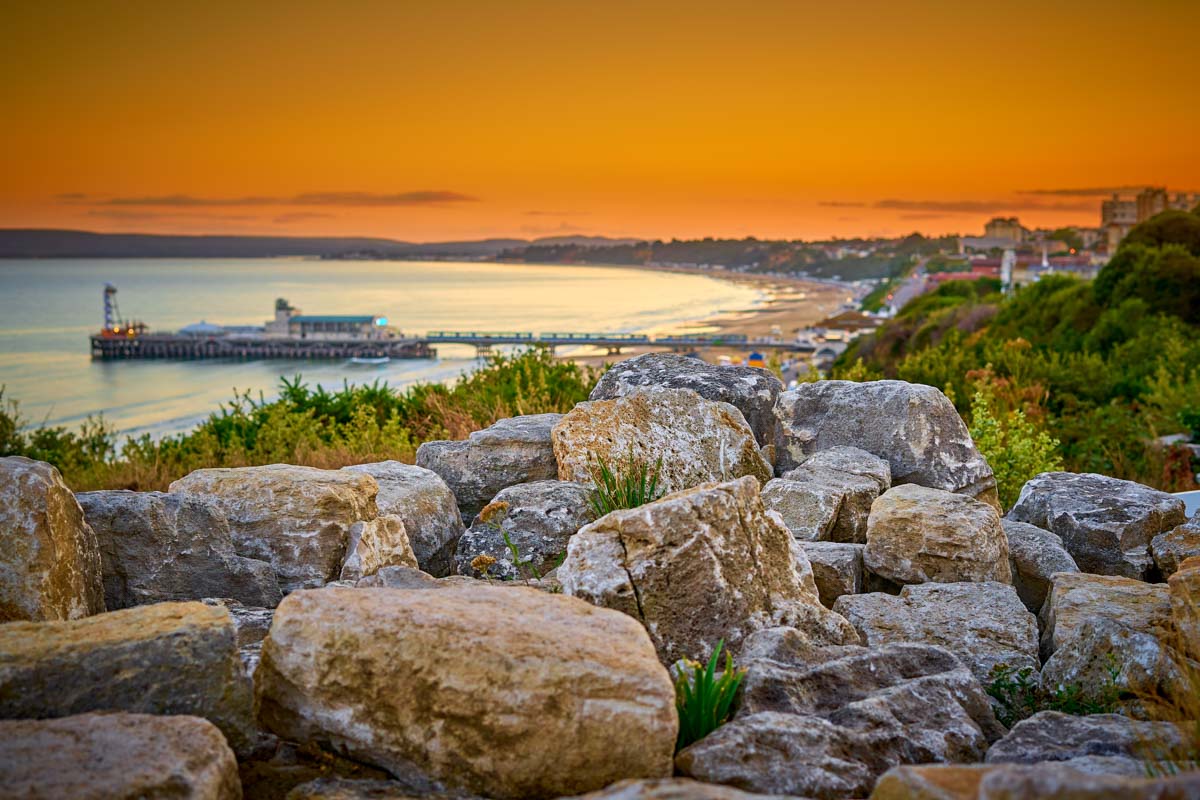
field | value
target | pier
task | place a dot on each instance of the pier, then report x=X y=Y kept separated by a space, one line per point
x=293 y=335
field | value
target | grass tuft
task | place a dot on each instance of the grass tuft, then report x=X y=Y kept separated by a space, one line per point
x=629 y=484
x=703 y=698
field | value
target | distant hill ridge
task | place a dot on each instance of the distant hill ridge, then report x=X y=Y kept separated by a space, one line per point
x=55 y=243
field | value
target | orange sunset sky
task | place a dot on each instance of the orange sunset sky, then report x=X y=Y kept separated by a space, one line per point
x=454 y=119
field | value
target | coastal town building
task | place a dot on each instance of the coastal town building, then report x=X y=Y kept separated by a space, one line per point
x=1120 y=213
x=1008 y=228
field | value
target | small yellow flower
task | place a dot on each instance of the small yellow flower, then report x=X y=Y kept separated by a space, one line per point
x=494 y=511
x=482 y=563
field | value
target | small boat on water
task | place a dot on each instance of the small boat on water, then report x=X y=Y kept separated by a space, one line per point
x=370 y=362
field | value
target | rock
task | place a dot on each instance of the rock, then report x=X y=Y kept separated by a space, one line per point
x=851 y=461
x=251 y=625
x=820 y=504
x=914 y=428
x=352 y=789
x=1054 y=736
x=1171 y=548
x=1184 y=595
x=156 y=547
x=49 y=558
x=166 y=658
x=539 y=518
x=1105 y=523
x=697 y=440
x=984 y=624
x=791 y=646
x=400 y=578
x=296 y=518
x=837 y=569
x=839 y=755
x=1076 y=597
x=277 y=768
x=672 y=789
x=514 y=450
x=916 y=535
x=423 y=500
x=374 y=544
x=750 y=390
x=700 y=566
x=1144 y=665
x=926 y=686
x=1075 y=778
x=505 y=691
x=1035 y=780
x=1034 y=555
x=104 y=756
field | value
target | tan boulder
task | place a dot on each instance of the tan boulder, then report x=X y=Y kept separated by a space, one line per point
x=698 y=440
x=983 y=623
x=1073 y=779
x=106 y=756
x=49 y=559
x=296 y=518
x=505 y=691
x=165 y=658
x=918 y=535
x=1184 y=594
x=374 y=544
x=1077 y=597
x=698 y=566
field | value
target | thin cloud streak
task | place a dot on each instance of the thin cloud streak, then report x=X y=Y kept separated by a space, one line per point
x=340 y=199
x=979 y=206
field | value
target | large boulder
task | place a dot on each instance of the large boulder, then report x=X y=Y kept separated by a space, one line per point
x=539 y=518
x=748 y=389
x=296 y=518
x=837 y=569
x=697 y=567
x=1077 y=597
x=1035 y=555
x=166 y=658
x=917 y=535
x=673 y=789
x=830 y=729
x=984 y=624
x=851 y=461
x=1173 y=547
x=514 y=450
x=901 y=677
x=1104 y=657
x=425 y=503
x=1183 y=590
x=1105 y=523
x=250 y=625
x=106 y=756
x=156 y=547
x=1054 y=736
x=914 y=428
x=376 y=543
x=697 y=440
x=551 y=697
x=823 y=504
x=1077 y=779
x=49 y=558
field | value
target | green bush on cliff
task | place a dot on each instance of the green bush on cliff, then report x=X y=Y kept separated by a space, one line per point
x=1103 y=367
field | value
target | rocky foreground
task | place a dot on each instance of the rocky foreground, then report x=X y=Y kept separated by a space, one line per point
x=467 y=628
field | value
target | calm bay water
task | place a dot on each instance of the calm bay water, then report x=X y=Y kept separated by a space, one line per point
x=49 y=307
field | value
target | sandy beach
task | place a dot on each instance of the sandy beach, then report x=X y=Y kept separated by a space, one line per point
x=789 y=305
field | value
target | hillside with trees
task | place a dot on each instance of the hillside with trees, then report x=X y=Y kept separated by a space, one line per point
x=1104 y=367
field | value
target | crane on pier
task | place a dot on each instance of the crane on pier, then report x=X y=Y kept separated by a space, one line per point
x=114 y=326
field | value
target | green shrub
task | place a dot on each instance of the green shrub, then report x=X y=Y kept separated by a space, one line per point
x=629 y=484
x=1012 y=445
x=703 y=698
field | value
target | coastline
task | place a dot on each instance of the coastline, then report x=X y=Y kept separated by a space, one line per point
x=788 y=305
